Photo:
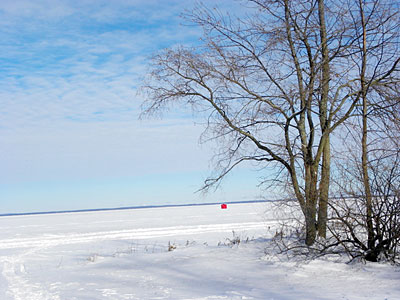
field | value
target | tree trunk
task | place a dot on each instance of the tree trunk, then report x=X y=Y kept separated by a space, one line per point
x=323 y=116
x=324 y=190
x=311 y=205
x=311 y=230
x=364 y=139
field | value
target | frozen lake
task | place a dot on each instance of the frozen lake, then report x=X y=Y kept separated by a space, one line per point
x=124 y=254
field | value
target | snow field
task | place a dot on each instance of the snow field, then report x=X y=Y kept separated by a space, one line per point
x=124 y=255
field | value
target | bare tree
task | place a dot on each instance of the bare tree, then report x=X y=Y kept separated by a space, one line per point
x=361 y=226
x=365 y=220
x=276 y=84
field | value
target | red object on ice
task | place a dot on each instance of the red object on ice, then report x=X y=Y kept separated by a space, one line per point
x=224 y=206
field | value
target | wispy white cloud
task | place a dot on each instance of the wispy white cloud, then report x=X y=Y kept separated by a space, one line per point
x=78 y=59
x=74 y=59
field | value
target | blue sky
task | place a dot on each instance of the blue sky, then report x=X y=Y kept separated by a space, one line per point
x=70 y=137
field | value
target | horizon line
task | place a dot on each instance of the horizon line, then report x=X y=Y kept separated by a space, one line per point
x=128 y=207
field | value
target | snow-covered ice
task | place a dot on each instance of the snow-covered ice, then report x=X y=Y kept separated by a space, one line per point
x=124 y=255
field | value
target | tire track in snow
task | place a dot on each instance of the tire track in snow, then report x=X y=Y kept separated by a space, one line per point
x=19 y=287
x=140 y=233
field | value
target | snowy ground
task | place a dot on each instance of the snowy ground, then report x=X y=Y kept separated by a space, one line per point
x=124 y=255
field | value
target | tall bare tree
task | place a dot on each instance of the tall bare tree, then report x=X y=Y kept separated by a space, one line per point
x=368 y=225
x=372 y=30
x=276 y=84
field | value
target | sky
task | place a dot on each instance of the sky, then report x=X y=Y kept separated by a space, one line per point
x=70 y=133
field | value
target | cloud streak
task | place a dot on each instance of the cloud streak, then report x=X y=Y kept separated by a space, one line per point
x=64 y=57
